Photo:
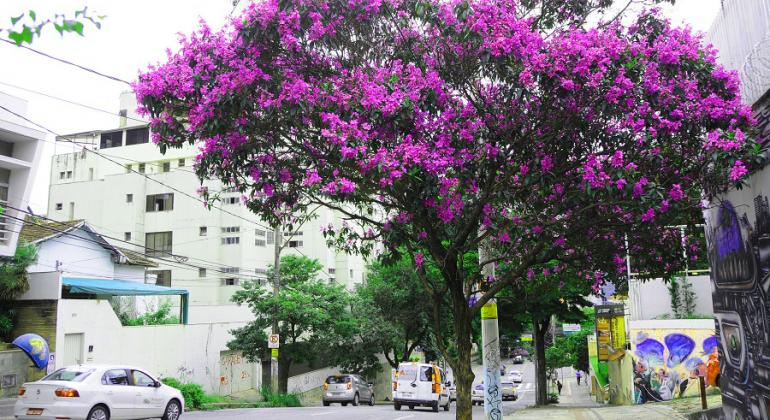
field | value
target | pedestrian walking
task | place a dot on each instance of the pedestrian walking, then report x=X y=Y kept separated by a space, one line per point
x=578 y=375
x=558 y=386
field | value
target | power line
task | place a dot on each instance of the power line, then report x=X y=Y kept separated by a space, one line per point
x=61 y=60
x=71 y=102
x=175 y=263
x=103 y=156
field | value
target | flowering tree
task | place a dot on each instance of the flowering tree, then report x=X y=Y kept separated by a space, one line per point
x=436 y=126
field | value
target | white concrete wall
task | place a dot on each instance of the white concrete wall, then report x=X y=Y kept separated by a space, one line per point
x=651 y=299
x=43 y=286
x=189 y=352
x=310 y=380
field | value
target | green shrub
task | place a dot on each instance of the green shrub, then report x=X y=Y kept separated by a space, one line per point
x=279 y=400
x=553 y=398
x=193 y=394
x=161 y=316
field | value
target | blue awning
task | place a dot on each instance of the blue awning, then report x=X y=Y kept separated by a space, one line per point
x=117 y=287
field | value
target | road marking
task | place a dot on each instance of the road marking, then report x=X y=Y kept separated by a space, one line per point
x=325 y=413
x=404 y=417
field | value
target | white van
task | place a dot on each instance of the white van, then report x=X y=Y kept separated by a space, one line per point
x=420 y=385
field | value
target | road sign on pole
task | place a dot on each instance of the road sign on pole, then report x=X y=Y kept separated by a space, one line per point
x=273 y=341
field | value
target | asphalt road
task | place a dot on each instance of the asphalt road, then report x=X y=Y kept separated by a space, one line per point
x=378 y=412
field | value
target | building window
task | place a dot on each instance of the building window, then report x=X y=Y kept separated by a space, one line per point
x=332 y=270
x=332 y=280
x=59 y=206
x=129 y=168
x=69 y=174
x=231 y=270
x=141 y=168
x=270 y=238
x=113 y=139
x=163 y=277
x=129 y=198
x=295 y=244
x=231 y=229
x=90 y=174
x=351 y=274
x=165 y=166
x=295 y=234
x=201 y=272
x=127 y=236
x=203 y=231
x=260 y=271
x=231 y=282
x=61 y=175
x=158 y=244
x=231 y=200
x=231 y=240
x=137 y=136
x=261 y=235
x=160 y=202
x=259 y=242
x=180 y=163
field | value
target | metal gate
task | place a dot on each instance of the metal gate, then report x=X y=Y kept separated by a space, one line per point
x=73 y=349
x=235 y=373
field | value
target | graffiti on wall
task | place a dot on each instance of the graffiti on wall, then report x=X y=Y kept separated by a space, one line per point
x=738 y=237
x=667 y=363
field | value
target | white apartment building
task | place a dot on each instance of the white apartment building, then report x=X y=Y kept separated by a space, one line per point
x=20 y=149
x=208 y=252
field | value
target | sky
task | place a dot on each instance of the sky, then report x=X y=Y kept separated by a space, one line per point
x=134 y=34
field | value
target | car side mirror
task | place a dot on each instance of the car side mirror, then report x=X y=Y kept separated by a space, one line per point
x=370 y=383
x=156 y=384
x=448 y=384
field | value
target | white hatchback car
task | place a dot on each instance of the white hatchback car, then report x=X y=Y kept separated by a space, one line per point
x=515 y=376
x=90 y=392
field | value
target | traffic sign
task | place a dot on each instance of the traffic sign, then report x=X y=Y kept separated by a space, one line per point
x=272 y=341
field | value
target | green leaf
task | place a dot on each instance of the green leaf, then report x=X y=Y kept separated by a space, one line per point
x=32 y=15
x=59 y=28
x=15 y=37
x=16 y=19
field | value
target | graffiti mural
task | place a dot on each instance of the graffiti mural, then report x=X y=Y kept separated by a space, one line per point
x=738 y=237
x=667 y=363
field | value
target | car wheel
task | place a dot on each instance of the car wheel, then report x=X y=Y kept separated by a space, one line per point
x=411 y=407
x=397 y=406
x=344 y=404
x=446 y=407
x=371 y=400
x=326 y=403
x=173 y=410
x=435 y=407
x=99 y=412
x=355 y=400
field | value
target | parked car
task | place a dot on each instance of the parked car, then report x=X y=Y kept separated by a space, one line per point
x=508 y=390
x=452 y=391
x=477 y=395
x=346 y=389
x=518 y=359
x=94 y=392
x=515 y=376
x=421 y=385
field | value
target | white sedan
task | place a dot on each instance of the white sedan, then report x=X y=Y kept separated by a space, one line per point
x=89 y=392
x=515 y=376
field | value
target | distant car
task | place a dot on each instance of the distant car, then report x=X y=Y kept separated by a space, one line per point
x=518 y=359
x=515 y=376
x=452 y=388
x=477 y=395
x=508 y=390
x=346 y=389
x=98 y=393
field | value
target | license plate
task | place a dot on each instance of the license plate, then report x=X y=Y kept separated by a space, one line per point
x=34 y=411
x=406 y=394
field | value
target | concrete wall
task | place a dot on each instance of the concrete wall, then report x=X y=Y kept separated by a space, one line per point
x=192 y=353
x=43 y=286
x=13 y=372
x=651 y=299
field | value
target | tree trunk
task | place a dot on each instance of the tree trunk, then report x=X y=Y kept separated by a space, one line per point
x=463 y=374
x=540 y=327
x=283 y=374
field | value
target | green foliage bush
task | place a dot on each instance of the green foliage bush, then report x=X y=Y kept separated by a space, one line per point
x=160 y=316
x=553 y=398
x=279 y=400
x=193 y=394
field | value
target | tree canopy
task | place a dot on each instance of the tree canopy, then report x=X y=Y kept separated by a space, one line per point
x=436 y=126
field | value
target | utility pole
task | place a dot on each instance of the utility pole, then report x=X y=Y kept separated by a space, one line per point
x=490 y=338
x=276 y=287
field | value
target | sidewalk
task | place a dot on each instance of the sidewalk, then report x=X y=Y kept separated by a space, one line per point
x=6 y=408
x=576 y=404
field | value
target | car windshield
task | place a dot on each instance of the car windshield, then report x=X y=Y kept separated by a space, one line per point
x=407 y=372
x=337 y=379
x=71 y=375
